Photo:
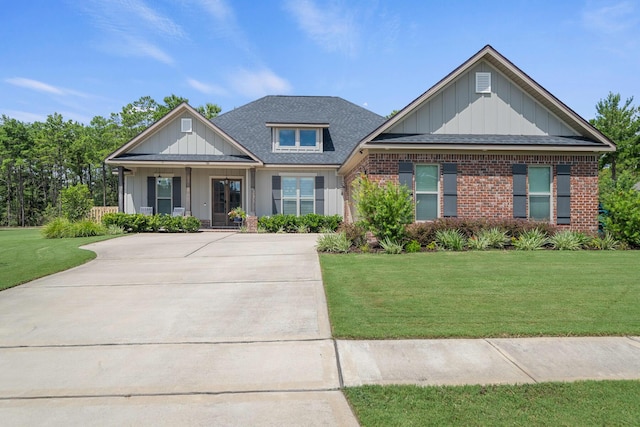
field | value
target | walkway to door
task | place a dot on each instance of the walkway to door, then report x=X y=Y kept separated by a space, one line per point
x=208 y=328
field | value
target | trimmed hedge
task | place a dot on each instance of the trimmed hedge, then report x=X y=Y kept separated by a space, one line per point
x=139 y=223
x=314 y=223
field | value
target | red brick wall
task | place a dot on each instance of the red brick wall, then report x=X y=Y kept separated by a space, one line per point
x=485 y=184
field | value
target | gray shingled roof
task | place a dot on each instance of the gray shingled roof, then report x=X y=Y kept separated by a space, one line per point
x=348 y=124
x=185 y=158
x=430 y=138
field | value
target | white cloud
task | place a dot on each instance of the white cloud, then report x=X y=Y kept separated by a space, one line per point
x=140 y=47
x=43 y=87
x=255 y=84
x=610 y=19
x=34 y=85
x=132 y=28
x=205 y=87
x=332 y=27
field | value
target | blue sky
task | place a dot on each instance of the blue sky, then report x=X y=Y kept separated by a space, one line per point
x=83 y=58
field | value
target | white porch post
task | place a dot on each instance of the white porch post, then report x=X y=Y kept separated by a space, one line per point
x=121 y=189
x=188 y=189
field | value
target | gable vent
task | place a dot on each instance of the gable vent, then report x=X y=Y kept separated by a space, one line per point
x=483 y=82
x=186 y=125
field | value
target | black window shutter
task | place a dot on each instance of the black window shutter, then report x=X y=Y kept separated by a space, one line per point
x=405 y=174
x=276 y=194
x=450 y=189
x=151 y=192
x=563 y=209
x=519 y=190
x=176 y=192
x=320 y=195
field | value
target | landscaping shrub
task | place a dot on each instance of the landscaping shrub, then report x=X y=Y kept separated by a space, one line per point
x=604 y=243
x=139 y=223
x=57 y=228
x=314 y=223
x=568 y=240
x=623 y=219
x=87 y=228
x=425 y=232
x=391 y=247
x=355 y=232
x=62 y=227
x=452 y=240
x=496 y=237
x=333 y=242
x=479 y=242
x=385 y=211
x=76 y=202
x=530 y=240
x=412 y=247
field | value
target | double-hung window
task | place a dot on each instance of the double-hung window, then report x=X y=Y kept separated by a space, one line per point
x=297 y=139
x=427 y=191
x=540 y=193
x=164 y=192
x=298 y=195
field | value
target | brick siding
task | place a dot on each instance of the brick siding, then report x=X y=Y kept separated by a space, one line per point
x=485 y=184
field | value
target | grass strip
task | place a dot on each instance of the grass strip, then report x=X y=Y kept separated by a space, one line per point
x=587 y=403
x=483 y=294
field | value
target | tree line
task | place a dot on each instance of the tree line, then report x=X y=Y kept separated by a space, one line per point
x=38 y=160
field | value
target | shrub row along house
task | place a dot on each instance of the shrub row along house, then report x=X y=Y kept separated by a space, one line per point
x=486 y=141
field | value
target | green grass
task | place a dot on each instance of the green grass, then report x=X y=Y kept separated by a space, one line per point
x=483 y=294
x=588 y=403
x=26 y=255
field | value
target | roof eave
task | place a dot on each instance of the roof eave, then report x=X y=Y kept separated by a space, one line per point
x=489 y=147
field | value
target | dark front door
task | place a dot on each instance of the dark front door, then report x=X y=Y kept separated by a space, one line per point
x=227 y=194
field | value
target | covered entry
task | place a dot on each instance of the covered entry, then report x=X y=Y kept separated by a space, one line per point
x=226 y=195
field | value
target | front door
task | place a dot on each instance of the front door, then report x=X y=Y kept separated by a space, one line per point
x=227 y=194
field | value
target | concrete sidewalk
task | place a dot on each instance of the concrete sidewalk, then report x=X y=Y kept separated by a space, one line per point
x=489 y=361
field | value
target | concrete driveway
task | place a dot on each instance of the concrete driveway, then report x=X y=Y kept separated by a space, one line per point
x=180 y=329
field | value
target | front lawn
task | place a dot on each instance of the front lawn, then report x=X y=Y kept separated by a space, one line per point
x=26 y=255
x=588 y=403
x=483 y=294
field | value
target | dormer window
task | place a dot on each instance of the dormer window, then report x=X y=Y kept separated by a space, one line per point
x=306 y=138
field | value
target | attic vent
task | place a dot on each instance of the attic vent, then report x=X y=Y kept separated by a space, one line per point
x=483 y=82
x=185 y=125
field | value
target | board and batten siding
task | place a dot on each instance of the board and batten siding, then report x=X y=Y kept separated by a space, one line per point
x=333 y=202
x=135 y=187
x=171 y=140
x=507 y=110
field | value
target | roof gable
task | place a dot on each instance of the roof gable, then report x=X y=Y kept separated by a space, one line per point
x=165 y=139
x=517 y=105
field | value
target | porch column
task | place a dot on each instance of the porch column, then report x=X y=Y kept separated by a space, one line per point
x=121 y=189
x=252 y=208
x=188 y=195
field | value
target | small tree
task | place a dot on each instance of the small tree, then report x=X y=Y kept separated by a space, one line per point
x=385 y=210
x=76 y=202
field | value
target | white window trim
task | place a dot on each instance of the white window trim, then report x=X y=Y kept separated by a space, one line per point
x=275 y=135
x=536 y=193
x=298 y=198
x=416 y=192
